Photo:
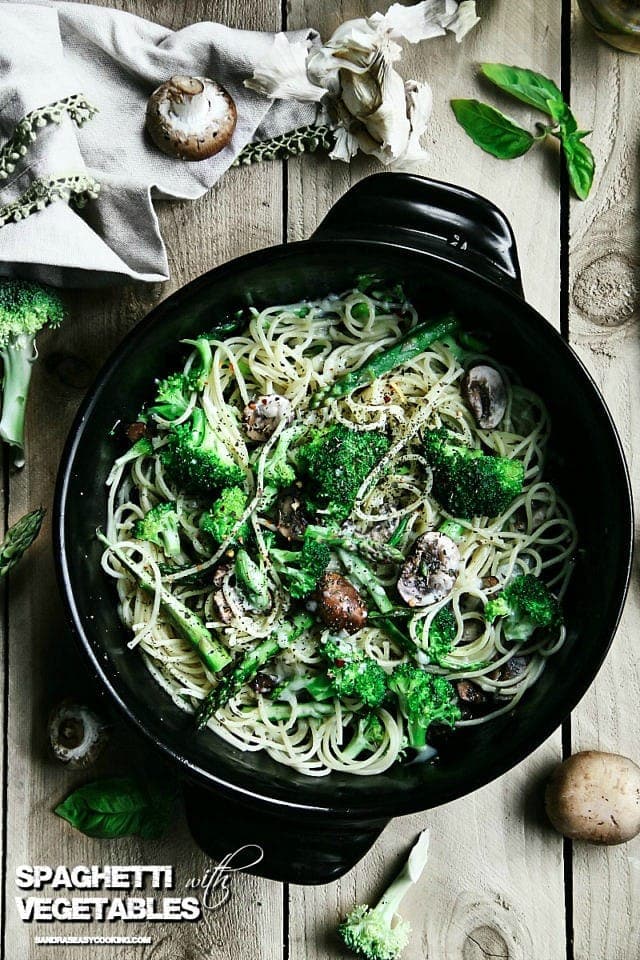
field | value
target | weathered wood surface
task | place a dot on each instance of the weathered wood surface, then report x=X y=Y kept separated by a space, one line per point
x=604 y=326
x=494 y=885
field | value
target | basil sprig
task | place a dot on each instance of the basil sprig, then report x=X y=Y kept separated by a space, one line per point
x=120 y=807
x=503 y=138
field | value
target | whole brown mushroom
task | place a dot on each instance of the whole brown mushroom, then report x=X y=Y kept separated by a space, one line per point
x=191 y=118
x=595 y=796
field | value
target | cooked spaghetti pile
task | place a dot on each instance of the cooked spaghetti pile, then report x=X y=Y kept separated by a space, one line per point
x=332 y=536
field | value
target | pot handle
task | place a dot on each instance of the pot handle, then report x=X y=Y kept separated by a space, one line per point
x=441 y=219
x=290 y=847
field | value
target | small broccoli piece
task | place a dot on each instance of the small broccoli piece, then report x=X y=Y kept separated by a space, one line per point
x=25 y=308
x=370 y=932
x=172 y=397
x=355 y=675
x=467 y=482
x=454 y=530
x=319 y=687
x=424 y=699
x=160 y=526
x=196 y=459
x=252 y=581
x=304 y=711
x=278 y=472
x=526 y=604
x=336 y=461
x=224 y=516
x=442 y=632
x=199 y=372
x=300 y=570
x=141 y=448
x=368 y=736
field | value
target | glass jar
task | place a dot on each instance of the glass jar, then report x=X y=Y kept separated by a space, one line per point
x=617 y=22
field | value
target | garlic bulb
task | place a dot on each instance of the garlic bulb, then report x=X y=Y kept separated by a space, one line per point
x=353 y=76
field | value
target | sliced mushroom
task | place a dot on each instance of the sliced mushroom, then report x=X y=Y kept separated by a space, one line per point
x=191 y=118
x=262 y=415
x=511 y=669
x=470 y=693
x=77 y=734
x=429 y=573
x=220 y=573
x=340 y=606
x=486 y=393
x=292 y=521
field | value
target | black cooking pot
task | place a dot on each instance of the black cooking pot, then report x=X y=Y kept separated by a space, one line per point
x=450 y=249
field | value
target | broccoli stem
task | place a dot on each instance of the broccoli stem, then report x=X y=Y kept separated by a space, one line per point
x=354 y=543
x=393 y=896
x=363 y=577
x=18 y=357
x=250 y=664
x=252 y=581
x=213 y=654
x=454 y=530
x=415 y=342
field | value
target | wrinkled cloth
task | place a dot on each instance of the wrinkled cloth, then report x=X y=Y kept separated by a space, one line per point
x=51 y=51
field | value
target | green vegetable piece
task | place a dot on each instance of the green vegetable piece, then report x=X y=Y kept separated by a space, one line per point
x=368 y=736
x=491 y=130
x=19 y=538
x=366 y=547
x=467 y=482
x=252 y=581
x=372 y=932
x=301 y=569
x=415 y=342
x=526 y=604
x=304 y=711
x=213 y=654
x=196 y=459
x=200 y=371
x=424 y=698
x=581 y=165
x=355 y=675
x=526 y=85
x=172 y=397
x=454 y=530
x=222 y=521
x=120 y=807
x=336 y=461
x=25 y=308
x=253 y=661
x=442 y=633
x=141 y=448
x=160 y=526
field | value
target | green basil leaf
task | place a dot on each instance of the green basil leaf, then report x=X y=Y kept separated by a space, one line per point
x=580 y=162
x=120 y=807
x=526 y=85
x=491 y=130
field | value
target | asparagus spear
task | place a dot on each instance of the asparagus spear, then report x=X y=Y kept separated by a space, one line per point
x=363 y=577
x=415 y=342
x=19 y=538
x=356 y=543
x=249 y=665
x=212 y=653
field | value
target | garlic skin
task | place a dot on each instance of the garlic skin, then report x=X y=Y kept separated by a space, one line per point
x=369 y=104
x=77 y=735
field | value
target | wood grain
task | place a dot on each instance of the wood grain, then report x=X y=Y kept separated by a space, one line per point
x=604 y=329
x=493 y=886
x=244 y=212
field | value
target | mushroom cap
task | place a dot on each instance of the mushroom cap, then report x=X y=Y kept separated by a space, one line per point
x=77 y=735
x=485 y=391
x=340 y=605
x=263 y=414
x=191 y=118
x=430 y=571
x=595 y=796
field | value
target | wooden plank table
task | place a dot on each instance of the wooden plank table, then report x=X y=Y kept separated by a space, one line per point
x=500 y=883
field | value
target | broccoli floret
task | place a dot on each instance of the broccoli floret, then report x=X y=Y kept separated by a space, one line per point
x=368 y=736
x=319 y=687
x=221 y=520
x=442 y=632
x=300 y=570
x=370 y=931
x=467 y=482
x=160 y=526
x=278 y=472
x=526 y=604
x=355 y=675
x=141 y=448
x=336 y=461
x=424 y=699
x=172 y=397
x=252 y=581
x=199 y=372
x=25 y=308
x=196 y=459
